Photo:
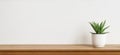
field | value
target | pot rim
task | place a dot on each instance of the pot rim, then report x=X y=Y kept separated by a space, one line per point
x=102 y=33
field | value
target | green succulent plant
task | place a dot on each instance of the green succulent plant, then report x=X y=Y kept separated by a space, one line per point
x=99 y=28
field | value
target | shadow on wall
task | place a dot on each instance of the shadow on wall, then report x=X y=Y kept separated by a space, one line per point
x=84 y=38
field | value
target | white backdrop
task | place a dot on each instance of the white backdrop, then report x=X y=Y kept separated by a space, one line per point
x=56 y=21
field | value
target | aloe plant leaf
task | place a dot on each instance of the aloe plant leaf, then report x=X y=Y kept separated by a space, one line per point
x=99 y=28
x=93 y=26
x=105 y=28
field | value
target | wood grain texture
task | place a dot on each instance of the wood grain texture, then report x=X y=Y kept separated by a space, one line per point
x=59 y=53
x=58 y=50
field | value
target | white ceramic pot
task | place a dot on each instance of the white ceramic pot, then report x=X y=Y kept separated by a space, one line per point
x=98 y=40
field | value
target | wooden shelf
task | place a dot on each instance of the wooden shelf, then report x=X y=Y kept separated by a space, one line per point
x=57 y=48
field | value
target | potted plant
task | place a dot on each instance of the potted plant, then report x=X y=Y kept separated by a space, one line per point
x=99 y=36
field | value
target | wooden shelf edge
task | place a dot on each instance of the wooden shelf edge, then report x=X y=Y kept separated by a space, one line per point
x=55 y=48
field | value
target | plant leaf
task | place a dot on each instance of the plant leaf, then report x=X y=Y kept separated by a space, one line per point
x=99 y=28
x=105 y=29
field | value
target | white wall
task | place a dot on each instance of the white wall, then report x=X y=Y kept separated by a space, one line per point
x=56 y=21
